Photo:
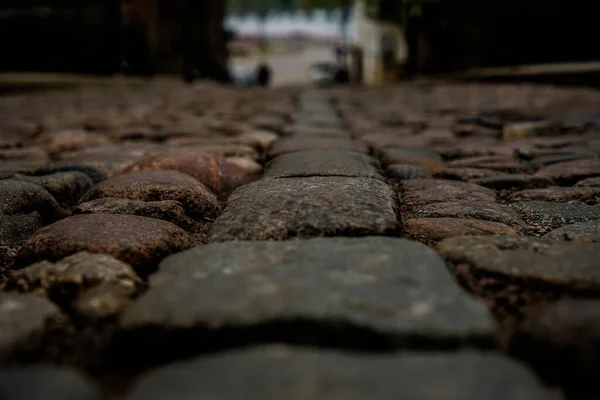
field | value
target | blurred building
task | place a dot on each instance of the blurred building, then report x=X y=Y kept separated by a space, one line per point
x=105 y=36
x=435 y=36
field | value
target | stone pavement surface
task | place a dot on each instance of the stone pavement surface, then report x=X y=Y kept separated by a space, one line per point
x=419 y=241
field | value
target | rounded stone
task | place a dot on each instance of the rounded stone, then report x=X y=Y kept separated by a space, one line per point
x=582 y=232
x=21 y=198
x=543 y=216
x=467 y=174
x=417 y=192
x=513 y=181
x=471 y=210
x=562 y=342
x=406 y=171
x=432 y=230
x=569 y=173
x=138 y=241
x=66 y=187
x=167 y=210
x=220 y=175
x=587 y=195
x=589 y=182
x=159 y=185
x=69 y=140
x=426 y=159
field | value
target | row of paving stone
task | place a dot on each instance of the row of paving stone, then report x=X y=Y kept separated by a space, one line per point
x=367 y=292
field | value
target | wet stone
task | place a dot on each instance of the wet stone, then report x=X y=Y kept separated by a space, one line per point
x=467 y=174
x=584 y=232
x=513 y=181
x=418 y=192
x=45 y=383
x=159 y=185
x=69 y=276
x=432 y=230
x=298 y=143
x=565 y=266
x=405 y=171
x=23 y=320
x=542 y=216
x=220 y=175
x=562 y=341
x=166 y=210
x=307 y=373
x=394 y=289
x=590 y=182
x=587 y=195
x=471 y=210
x=569 y=173
x=323 y=163
x=66 y=187
x=426 y=159
x=305 y=207
x=138 y=241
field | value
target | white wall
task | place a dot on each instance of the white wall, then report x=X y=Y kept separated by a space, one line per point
x=368 y=37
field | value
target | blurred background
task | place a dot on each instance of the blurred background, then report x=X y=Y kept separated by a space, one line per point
x=304 y=41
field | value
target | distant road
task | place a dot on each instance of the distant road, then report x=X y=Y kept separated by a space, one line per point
x=293 y=68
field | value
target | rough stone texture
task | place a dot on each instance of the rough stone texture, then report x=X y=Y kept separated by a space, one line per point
x=45 y=383
x=589 y=182
x=584 y=231
x=569 y=173
x=94 y=173
x=167 y=210
x=220 y=175
x=587 y=195
x=562 y=341
x=561 y=265
x=313 y=374
x=158 y=185
x=394 y=288
x=22 y=160
x=427 y=159
x=303 y=130
x=467 y=174
x=322 y=163
x=23 y=319
x=66 y=187
x=299 y=143
x=112 y=158
x=417 y=192
x=515 y=181
x=495 y=162
x=432 y=230
x=71 y=275
x=303 y=207
x=102 y=302
x=70 y=140
x=542 y=216
x=471 y=210
x=22 y=198
x=405 y=171
x=138 y=241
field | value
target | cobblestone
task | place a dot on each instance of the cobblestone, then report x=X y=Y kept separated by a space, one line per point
x=354 y=221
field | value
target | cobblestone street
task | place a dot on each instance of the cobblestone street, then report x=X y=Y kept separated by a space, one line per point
x=416 y=241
